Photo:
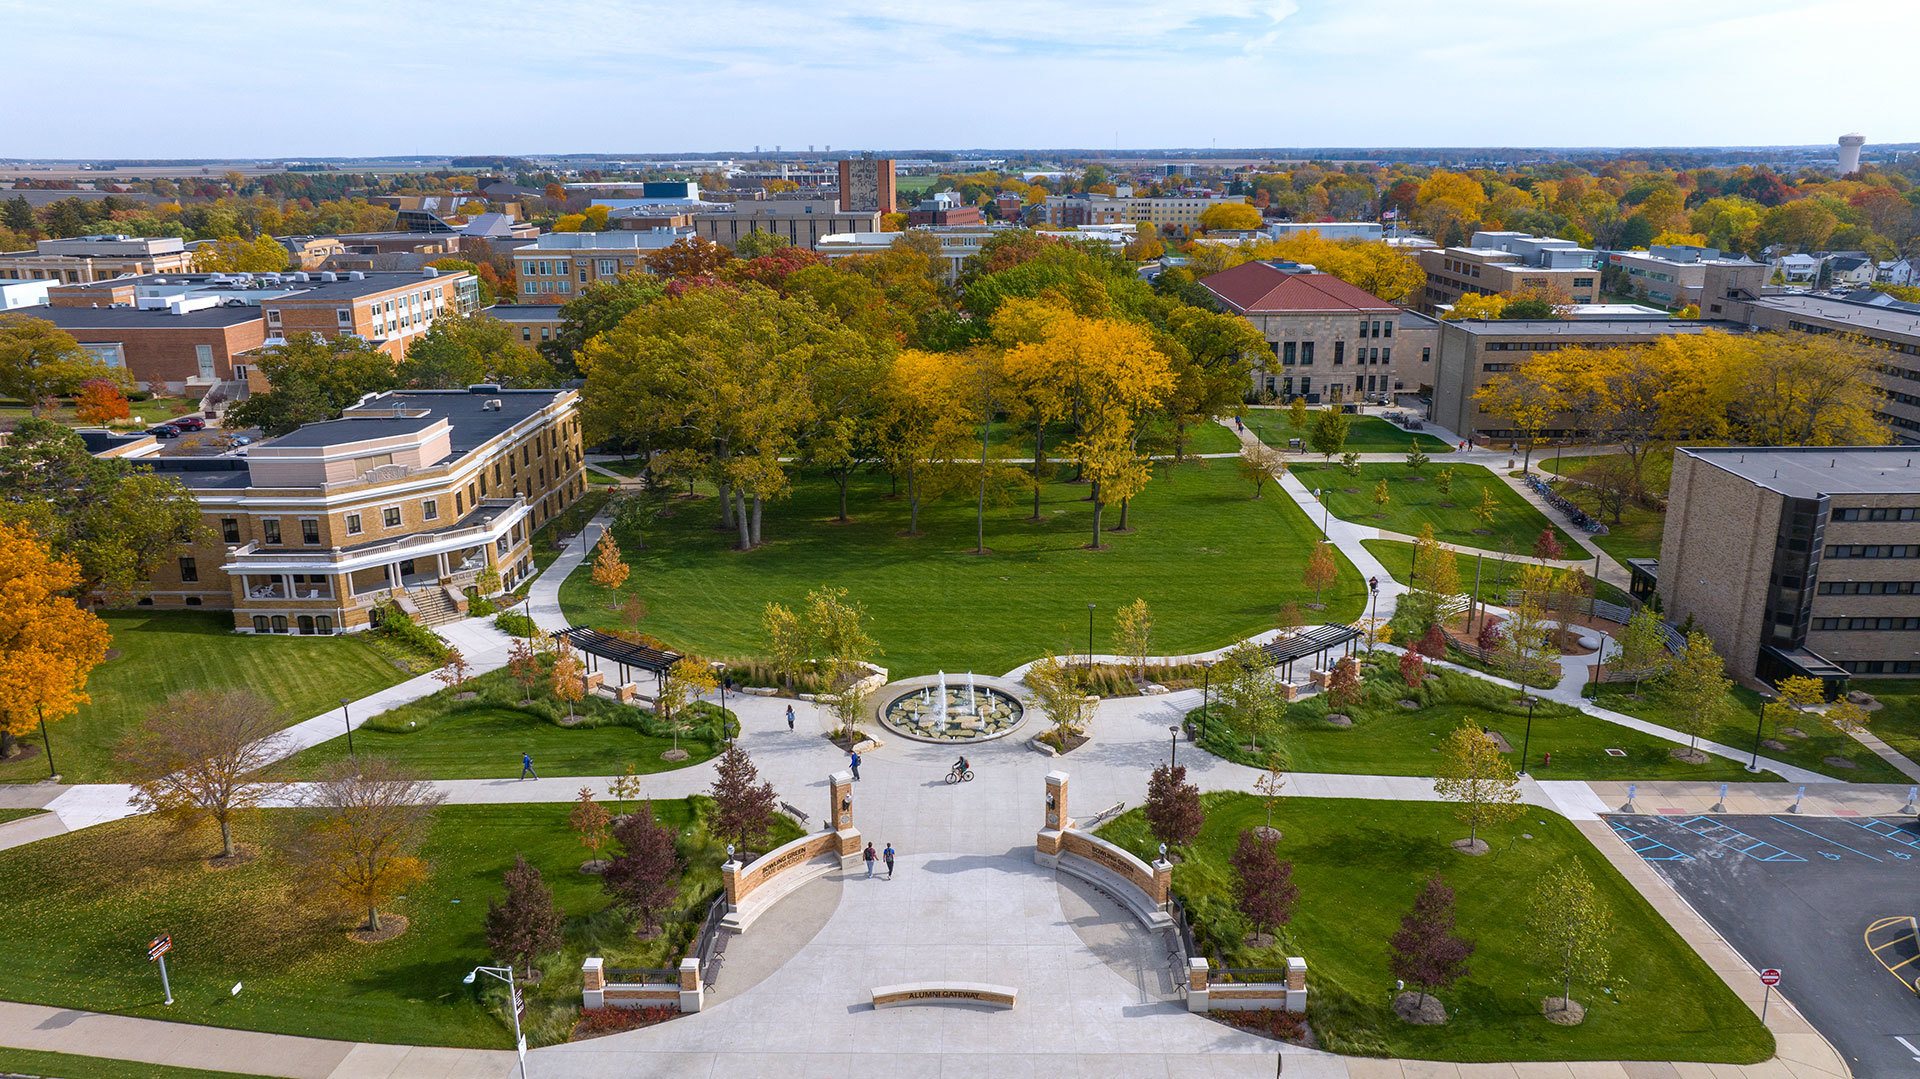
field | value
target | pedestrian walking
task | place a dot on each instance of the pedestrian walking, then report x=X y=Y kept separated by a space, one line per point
x=789 y=717
x=888 y=855
x=869 y=856
x=853 y=761
x=526 y=766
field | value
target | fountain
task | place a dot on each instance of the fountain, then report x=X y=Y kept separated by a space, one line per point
x=952 y=711
x=973 y=702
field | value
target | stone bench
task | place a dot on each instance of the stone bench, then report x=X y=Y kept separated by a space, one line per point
x=1129 y=894
x=911 y=993
x=781 y=885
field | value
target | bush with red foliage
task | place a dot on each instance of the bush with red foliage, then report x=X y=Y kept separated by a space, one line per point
x=599 y=1022
x=1413 y=669
x=1433 y=644
x=1275 y=1023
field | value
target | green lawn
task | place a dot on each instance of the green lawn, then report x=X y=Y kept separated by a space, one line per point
x=1898 y=723
x=9 y=815
x=1743 y=712
x=1365 y=434
x=1388 y=739
x=1213 y=563
x=68 y=1066
x=1637 y=535
x=483 y=738
x=164 y=652
x=1497 y=576
x=568 y=523
x=249 y=924
x=1414 y=499
x=1358 y=865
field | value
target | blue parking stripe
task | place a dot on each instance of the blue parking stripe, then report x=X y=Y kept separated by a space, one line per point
x=1647 y=847
x=1886 y=831
x=1824 y=839
x=1734 y=839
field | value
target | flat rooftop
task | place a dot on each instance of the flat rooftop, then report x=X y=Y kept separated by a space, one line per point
x=1865 y=316
x=1592 y=327
x=1811 y=471
x=126 y=318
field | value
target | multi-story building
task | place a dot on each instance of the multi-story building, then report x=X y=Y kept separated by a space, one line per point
x=945 y=208
x=171 y=349
x=804 y=222
x=386 y=309
x=866 y=185
x=960 y=242
x=1881 y=323
x=1670 y=274
x=407 y=497
x=533 y=323
x=1073 y=211
x=1327 y=230
x=1173 y=215
x=1796 y=561
x=16 y=293
x=1501 y=263
x=80 y=259
x=1330 y=340
x=311 y=252
x=558 y=265
x=1472 y=351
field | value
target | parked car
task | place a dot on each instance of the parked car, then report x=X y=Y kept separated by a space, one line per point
x=189 y=423
x=240 y=440
x=165 y=430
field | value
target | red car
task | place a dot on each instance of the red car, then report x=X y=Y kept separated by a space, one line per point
x=189 y=423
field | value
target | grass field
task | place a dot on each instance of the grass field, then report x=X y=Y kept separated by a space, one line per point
x=483 y=738
x=1388 y=739
x=250 y=923
x=1212 y=562
x=1898 y=723
x=1497 y=576
x=68 y=1066
x=1743 y=712
x=164 y=652
x=1414 y=499
x=1358 y=865
x=1637 y=535
x=1365 y=434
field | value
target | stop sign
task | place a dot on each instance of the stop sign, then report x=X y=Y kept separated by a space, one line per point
x=1770 y=976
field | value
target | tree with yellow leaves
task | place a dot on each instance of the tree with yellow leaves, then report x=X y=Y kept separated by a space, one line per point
x=566 y=679
x=48 y=643
x=1229 y=217
x=1474 y=305
x=1527 y=398
x=362 y=848
x=1800 y=389
x=609 y=569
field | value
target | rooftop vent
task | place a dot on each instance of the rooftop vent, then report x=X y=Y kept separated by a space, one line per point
x=356 y=275
x=329 y=275
x=429 y=272
x=484 y=387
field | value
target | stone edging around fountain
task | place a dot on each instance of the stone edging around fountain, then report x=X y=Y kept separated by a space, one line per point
x=892 y=692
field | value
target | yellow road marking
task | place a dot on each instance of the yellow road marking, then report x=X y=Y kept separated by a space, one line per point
x=1913 y=931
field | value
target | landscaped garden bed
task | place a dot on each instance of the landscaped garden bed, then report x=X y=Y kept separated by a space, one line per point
x=1415 y=499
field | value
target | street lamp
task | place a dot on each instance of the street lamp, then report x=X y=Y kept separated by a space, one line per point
x=720 y=676
x=1089 y=636
x=505 y=974
x=1526 y=745
x=1173 y=746
x=1373 y=588
x=46 y=744
x=347 y=718
x=1759 y=724
x=1206 y=687
x=1325 y=514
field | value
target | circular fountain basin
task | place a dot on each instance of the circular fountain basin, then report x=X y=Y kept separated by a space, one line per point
x=979 y=715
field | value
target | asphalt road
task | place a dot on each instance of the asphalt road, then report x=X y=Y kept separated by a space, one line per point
x=1827 y=900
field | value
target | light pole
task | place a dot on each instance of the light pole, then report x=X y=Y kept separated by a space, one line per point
x=1206 y=687
x=1373 y=588
x=1526 y=744
x=505 y=974
x=1759 y=725
x=1324 y=514
x=720 y=676
x=1173 y=747
x=1089 y=636
x=347 y=718
x=46 y=744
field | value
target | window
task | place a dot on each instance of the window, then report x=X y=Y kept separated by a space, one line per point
x=1868 y=588
x=1388 y=328
x=260 y=623
x=1340 y=351
x=353 y=524
x=270 y=531
x=1286 y=353
x=229 y=530
x=189 y=571
x=1386 y=355
x=203 y=356
x=1871 y=624
x=1884 y=550
x=1306 y=353
x=309 y=530
x=1877 y=513
x=430 y=509
x=1426 y=355
x=390 y=516
x=343 y=315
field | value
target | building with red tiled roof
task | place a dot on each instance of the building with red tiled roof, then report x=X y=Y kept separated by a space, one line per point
x=1331 y=341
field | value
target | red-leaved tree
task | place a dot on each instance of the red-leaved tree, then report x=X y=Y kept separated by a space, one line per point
x=1413 y=669
x=1343 y=685
x=1548 y=545
x=1425 y=953
x=1263 y=887
x=1433 y=643
x=644 y=878
x=742 y=805
x=525 y=924
x=1489 y=636
x=1173 y=806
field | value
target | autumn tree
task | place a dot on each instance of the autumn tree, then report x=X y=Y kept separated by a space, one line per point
x=1641 y=648
x=1433 y=643
x=1297 y=414
x=742 y=803
x=609 y=569
x=788 y=641
x=1697 y=687
x=1570 y=923
x=1229 y=217
x=199 y=753
x=1322 y=570
x=1413 y=670
x=1547 y=546
x=100 y=401
x=1263 y=888
x=312 y=379
x=566 y=678
x=48 y=644
x=458 y=351
x=1473 y=772
x=1425 y=952
x=526 y=667
x=362 y=848
x=685 y=682
x=1061 y=693
x=1489 y=507
x=1258 y=462
x=1527 y=639
x=38 y=361
x=1802 y=389
x=453 y=671
x=590 y=822
x=1343 y=684
x=1381 y=496
x=1527 y=398
x=262 y=254
x=1329 y=432
x=644 y=877
x=1173 y=806
x=1133 y=635
x=524 y=924
x=1443 y=481
x=1792 y=696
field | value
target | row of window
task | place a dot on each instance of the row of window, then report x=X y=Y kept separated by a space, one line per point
x=1880 y=666
x=1374 y=327
x=1876 y=513
x=1866 y=623
x=532 y=288
x=1872 y=550
x=1868 y=588
x=1891 y=346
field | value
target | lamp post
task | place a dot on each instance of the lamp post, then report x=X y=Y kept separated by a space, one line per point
x=1325 y=514
x=1526 y=744
x=1373 y=588
x=1173 y=746
x=1089 y=636
x=347 y=718
x=720 y=676
x=1759 y=725
x=1206 y=687
x=505 y=974
x=46 y=745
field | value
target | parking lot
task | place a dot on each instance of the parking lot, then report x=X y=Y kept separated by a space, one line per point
x=1830 y=901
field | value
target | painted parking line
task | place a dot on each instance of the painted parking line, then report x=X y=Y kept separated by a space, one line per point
x=1824 y=839
x=1909 y=1045
x=1734 y=839
x=1891 y=834
x=1894 y=943
x=1648 y=847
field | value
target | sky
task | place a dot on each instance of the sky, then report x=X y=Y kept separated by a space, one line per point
x=291 y=78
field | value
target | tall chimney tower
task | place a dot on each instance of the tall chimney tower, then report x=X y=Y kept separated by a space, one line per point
x=1850 y=153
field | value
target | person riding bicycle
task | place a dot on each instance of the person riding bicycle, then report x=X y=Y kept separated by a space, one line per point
x=960 y=768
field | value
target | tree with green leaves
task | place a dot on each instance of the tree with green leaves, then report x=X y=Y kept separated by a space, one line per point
x=1133 y=635
x=787 y=641
x=1297 y=416
x=1246 y=693
x=1641 y=648
x=1329 y=432
x=1474 y=773
x=1417 y=458
x=312 y=379
x=598 y=308
x=1257 y=464
x=1697 y=687
x=1381 y=496
x=1443 y=481
x=1570 y=923
x=38 y=360
x=459 y=351
x=1350 y=464
x=1792 y=696
x=1061 y=692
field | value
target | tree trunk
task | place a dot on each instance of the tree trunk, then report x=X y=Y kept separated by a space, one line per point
x=739 y=518
x=226 y=838
x=1179 y=441
x=980 y=499
x=7 y=743
x=842 y=478
x=1097 y=507
x=1122 y=526
x=756 y=520
x=373 y=918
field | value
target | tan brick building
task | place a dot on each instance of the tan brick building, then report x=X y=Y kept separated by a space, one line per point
x=1331 y=341
x=388 y=309
x=409 y=495
x=561 y=265
x=1501 y=263
x=804 y=222
x=1802 y=561
x=80 y=259
x=165 y=351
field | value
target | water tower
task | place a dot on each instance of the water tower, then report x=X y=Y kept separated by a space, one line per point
x=1850 y=153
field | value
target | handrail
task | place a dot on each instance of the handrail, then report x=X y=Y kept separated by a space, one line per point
x=649 y=975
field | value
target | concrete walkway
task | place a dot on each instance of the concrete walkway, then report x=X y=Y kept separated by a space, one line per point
x=1887 y=753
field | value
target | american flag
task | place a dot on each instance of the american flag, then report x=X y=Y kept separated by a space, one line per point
x=1390 y=215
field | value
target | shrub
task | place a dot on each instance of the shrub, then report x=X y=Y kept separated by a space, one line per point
x=515 y=624
x=397 y=628
x=596 y=1023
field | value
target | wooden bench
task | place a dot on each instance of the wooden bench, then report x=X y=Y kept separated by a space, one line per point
x=911 y=993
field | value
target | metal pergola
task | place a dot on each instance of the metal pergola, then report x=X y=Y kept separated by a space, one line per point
x=626 y=654
x=1317 y=641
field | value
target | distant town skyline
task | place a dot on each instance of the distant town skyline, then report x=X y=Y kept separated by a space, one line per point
x=358 y=78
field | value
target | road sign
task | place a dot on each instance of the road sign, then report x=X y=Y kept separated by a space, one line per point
x=1770 y=976
x=158 y=947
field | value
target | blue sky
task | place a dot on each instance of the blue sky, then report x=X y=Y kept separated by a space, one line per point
x=193 y=78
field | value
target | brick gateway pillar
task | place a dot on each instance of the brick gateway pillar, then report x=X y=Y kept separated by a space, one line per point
x=1046 y=845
